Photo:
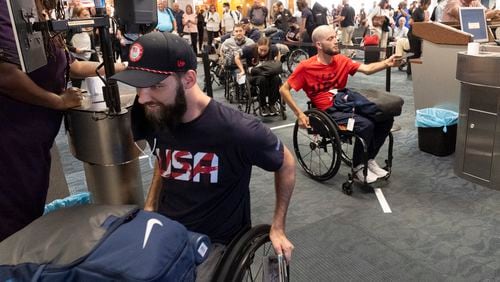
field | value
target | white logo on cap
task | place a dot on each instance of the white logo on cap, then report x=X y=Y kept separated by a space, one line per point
x=136 y=51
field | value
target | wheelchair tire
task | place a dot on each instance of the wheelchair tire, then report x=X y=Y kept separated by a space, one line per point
x=245 y=256
x=318 y=148
x=295 y=57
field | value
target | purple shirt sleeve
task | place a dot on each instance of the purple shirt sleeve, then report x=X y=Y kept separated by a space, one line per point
x=8 y=49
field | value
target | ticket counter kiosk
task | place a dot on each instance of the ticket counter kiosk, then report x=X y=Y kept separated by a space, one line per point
x=478 y=139
x=433 y=75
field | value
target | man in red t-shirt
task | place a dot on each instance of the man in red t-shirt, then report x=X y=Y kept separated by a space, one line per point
x=329 y=70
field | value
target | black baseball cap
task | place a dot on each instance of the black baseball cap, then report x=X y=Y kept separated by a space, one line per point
x=155 y=56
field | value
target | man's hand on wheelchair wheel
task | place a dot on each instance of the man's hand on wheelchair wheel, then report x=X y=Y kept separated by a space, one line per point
x=281 y=243
x=303 y=120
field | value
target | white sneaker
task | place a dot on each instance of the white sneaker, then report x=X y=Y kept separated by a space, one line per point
x=370 y=176
x=376 y=169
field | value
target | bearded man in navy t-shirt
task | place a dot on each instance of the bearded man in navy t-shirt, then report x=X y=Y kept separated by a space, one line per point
x=204 y=150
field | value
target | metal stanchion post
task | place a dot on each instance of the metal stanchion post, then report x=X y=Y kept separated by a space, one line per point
x=206 y=68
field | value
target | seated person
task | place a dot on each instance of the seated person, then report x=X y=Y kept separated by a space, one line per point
x=329 y=70
x=254 y=55
x=401 y=39
x=250 y=31
x=204 y=150
x=451 y=10
x=233 y=45
x=293 y=34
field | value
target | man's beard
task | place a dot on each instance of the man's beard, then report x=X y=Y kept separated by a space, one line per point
x=331 y=51
x=168 y=116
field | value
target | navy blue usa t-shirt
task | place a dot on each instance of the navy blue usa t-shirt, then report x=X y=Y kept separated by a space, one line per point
x=206 y=166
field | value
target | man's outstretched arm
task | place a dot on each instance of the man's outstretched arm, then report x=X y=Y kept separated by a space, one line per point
x=378 y=66
x=284 y=181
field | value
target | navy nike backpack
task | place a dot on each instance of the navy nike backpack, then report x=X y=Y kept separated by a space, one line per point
x=102 y=243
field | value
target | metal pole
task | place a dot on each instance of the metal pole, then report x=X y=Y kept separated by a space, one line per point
x=206 y=68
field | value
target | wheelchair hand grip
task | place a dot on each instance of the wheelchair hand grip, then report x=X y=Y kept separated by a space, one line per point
x=200 y=244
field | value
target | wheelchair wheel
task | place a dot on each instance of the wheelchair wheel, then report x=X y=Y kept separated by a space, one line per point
x=318 y=148
x=244 y=260
x=295 y=57
x=227 y=86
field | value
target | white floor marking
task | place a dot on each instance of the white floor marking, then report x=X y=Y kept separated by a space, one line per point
x=282 y=126
x=382 y=201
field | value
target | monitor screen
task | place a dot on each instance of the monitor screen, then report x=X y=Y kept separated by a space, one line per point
x=473 y=21
x=29 y=43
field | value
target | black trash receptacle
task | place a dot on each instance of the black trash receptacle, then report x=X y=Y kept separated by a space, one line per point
x=437 y=131
x=434 y=141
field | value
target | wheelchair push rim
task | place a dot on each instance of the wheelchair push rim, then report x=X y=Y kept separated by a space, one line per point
x=318 y=149
x=244 y=258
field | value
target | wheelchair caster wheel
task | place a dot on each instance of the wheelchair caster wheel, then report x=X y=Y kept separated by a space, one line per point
x=347 y=188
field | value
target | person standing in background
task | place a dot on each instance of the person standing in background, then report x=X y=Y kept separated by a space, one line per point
x=229 y=19
x=166 y=19
x=347 y=26
x=239 y=14
x=190 y=22
x=258 y=15
x=213 y=24
x=178 y=13
x=200 y=23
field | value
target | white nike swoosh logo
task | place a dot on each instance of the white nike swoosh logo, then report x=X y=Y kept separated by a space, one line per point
x=149 y=227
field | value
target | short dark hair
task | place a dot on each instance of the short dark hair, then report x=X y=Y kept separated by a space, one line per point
x=225 y=4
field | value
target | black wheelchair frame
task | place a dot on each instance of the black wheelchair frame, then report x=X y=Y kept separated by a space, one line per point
x=243 y=258
x=296 y=54
x=242 y=95
x=326 y=137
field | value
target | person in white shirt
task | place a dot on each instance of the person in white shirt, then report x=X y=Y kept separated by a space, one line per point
x=400 y=31
x=229 y=19
x=375 y=21
x=213 y=24
x=190 y=23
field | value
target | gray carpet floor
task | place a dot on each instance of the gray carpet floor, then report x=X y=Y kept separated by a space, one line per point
x=442 y=227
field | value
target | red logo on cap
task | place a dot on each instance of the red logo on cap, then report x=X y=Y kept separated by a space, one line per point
x=136 y=51
x=180 y=63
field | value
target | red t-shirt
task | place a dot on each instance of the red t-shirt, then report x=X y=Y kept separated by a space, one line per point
x=316 y=79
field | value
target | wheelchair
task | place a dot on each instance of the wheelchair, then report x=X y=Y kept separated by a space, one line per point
x=243 y=258
x=253 y=104
x=296 y=55
x=321 y=149
x=235 y=92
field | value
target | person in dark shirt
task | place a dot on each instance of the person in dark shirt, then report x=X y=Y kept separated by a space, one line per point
x=178 y=13
x=201 y=26
x=418 y=15
x=31 y=110
x=347 y=25
x=282 y=18
x=255 y=54
x=204 y=150
x=250 y=32
x=307 y=24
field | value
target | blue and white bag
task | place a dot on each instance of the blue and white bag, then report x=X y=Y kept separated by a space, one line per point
x=102 y=243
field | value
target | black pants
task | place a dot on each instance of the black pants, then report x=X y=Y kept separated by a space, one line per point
x=194 y=42
x=211 y=36
x=268 y=87
x=374 y=133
